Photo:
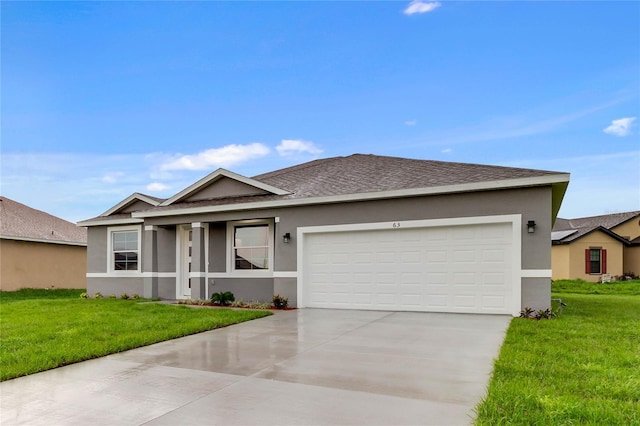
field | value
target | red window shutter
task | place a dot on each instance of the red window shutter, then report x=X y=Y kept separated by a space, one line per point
x=604 y=261
x=587 y=261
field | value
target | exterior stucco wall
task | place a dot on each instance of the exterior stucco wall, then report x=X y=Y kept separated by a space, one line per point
x=286 y=287
x=596 y=239
x=217 y=247
x=167 y=250
x=536 y=293
x=117 y=286
x=632 y=260
x=136 y=206
x=531 y=204
x=27 y=264
x=560 y=262
x=166 y=288
x=248 y=289
x=225 y=187
x=629 y=230
x=97 y=259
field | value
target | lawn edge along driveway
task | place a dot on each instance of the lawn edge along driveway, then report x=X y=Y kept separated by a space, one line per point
x=39 y=333
x=582 y=367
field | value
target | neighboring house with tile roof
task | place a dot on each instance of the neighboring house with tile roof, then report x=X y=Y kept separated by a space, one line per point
x=355 y=232
x=588 y=247
x=38 y=250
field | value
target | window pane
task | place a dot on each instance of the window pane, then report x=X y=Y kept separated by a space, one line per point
x=259 y=258
x=252 y=258
x=594 y=257
x=252 y=236
x=126 y=261
x=125 y=240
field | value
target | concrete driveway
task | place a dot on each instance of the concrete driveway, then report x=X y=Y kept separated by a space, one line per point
x=307 y=366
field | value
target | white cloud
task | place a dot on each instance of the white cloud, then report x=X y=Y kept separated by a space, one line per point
x=418 y=6
x=295 y=146
x=157 y=187
x=112 y=177
x=620 y=127
x=411 y=122
x=227 y=156
x=447 y=150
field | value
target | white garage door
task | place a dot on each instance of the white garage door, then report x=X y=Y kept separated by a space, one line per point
x=463 y=268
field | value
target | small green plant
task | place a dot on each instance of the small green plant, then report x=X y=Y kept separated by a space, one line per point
x=135 y=296
x=112 y=296
x=97 y=295
x=280 y=302
x=124 y=296
x=545 y=314
x=84 y=295
x=527 y=313
x=222 y=298
x=537 y=315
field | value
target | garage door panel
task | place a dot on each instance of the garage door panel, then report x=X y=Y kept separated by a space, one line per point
x=444 y=269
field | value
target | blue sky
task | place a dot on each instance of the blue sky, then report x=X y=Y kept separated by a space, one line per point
x=103 y=99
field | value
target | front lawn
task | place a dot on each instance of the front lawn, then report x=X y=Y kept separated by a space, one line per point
x=43 y=329
x=580 y=368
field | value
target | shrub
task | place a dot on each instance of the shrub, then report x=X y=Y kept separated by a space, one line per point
x=527 y=313
x=97 y=295
x=537 y=315
x=112 y=296
x=84 y=295
x=223 y=298
x=135 y=296
x=280 y=302
x=124 y=296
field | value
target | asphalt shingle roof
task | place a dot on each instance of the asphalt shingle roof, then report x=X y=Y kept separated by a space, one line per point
x=20 y=221
x=584 y=225
x=363 y=173
x=360 y=173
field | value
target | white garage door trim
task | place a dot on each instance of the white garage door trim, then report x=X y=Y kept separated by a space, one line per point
x=516 y=236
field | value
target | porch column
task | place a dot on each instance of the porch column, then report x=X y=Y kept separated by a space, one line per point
x=150 y=261
x=198 y=265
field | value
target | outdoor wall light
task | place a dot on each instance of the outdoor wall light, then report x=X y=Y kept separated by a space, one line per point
x=531 y=226
x=286 y=238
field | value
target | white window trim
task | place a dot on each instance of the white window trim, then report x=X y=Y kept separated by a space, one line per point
x=231 y=266
x=110 y=260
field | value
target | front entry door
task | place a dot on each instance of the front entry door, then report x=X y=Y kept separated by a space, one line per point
x=185 y=235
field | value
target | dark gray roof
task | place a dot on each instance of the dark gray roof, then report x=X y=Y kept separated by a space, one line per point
x=585 y=225
x=360 y=173
x=363 y=173
x=22 y=222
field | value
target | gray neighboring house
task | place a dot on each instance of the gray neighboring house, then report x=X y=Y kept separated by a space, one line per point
x=355 y=232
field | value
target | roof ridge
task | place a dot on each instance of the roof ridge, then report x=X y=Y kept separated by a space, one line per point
x=308 y=164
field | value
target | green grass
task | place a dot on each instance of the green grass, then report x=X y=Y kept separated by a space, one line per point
x=580 y=368
x=38 y=293
x=42 y=329
x=584 y=287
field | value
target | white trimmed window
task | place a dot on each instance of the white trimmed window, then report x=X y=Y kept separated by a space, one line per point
x=124 y=249
x=251 y=246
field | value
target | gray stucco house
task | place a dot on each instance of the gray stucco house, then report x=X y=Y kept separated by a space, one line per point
x=355 y=232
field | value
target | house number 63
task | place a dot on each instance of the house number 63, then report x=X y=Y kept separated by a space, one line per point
x=396 y=224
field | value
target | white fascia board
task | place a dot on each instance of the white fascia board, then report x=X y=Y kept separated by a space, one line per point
x=107 y=222
x=215 y=176
x=42 y=240
x=413 y=192
x=124 y=203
